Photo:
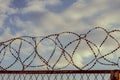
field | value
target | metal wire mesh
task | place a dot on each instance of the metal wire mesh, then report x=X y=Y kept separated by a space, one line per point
x=55 y=75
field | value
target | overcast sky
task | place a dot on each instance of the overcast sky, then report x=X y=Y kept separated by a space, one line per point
x=43 y=17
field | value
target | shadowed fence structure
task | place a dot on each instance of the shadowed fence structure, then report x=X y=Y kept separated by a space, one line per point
x=61 y=56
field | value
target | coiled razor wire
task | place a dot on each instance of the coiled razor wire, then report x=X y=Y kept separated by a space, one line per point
x=53 y=52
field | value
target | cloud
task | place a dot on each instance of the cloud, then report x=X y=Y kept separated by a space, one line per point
x=34 y=6
x=81 y=15
x=6 y=35
x=93 y=13
x=2 y=19
x=38 y=6
x=108 y=19
x=28 y=27
x=5 y=10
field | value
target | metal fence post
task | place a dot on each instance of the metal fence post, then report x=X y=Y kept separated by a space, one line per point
x=114 y=75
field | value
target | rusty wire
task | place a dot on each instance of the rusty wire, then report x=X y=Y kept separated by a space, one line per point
x=24 y=61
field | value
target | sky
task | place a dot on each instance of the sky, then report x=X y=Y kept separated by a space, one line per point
x=44 y=17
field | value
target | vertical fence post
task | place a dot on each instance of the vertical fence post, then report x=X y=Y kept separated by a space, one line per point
x=114 y=75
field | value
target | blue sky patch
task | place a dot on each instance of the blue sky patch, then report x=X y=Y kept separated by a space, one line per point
x=18 y=4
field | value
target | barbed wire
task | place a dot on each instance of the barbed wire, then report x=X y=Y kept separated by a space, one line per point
x=23 y=53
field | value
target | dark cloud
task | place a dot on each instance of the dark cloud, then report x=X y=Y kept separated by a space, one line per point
x=18 y=4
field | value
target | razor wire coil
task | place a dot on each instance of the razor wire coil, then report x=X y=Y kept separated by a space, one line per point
x=9 y=48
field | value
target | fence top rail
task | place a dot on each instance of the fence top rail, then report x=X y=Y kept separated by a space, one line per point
x=59 y=72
